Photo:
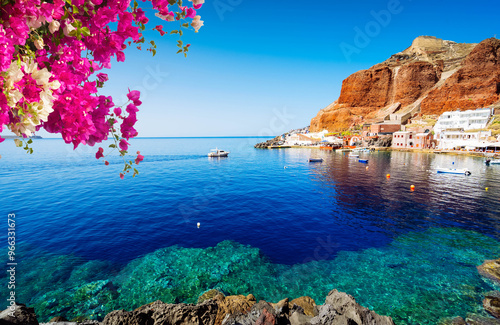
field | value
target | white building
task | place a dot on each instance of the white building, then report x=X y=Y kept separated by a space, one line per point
x=460 y=139
x=467 y=120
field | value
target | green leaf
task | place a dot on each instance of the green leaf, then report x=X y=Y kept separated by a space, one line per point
x=31 y=151
x=112 y=146
x=185 y=55
x=179 y=51
x=186 y=25
x=172 y=2
x=30 y=141
x=85 y=31
x=154 y=52
x=174 y=32
x=180 y=32
x=75 y=9
x=136 y=171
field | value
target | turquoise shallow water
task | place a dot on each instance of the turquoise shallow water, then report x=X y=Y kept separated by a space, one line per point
x=89 y=243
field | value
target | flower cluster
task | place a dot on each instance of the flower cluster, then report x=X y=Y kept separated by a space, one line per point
x=51 y=56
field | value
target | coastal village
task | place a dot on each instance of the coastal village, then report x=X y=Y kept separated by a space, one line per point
x=454 y=131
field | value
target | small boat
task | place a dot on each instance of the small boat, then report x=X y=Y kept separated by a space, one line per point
x=315 y=160
x=463 y=171
x=492 y=162
x=218 y=153
x=364 y=161
x=325 y=148
x=353 y=155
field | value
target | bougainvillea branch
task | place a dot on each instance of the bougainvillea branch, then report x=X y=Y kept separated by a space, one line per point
x=51 y=55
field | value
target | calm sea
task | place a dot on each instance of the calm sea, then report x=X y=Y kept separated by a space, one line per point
x=271 y=224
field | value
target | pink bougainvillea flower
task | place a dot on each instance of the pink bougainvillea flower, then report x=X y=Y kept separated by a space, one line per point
x=190 y=13
x=99 y=153
x=139 y=159
x=102 y=77
x=123 y=145
x=122 y=175
x=106 y=163
x=117 y=111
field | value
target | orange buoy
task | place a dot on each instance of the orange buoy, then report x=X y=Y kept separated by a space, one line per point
x=412 y=187
x=388 y=175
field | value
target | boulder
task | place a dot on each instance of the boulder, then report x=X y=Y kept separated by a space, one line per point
x=342 y=309
x=255 y=314
x=490 y=269
x=492 y=305
x=307 y=304
x=158 y=313
x=298 y=318
x=22 y=315
x=479 y=320
x=207 y=295
x=233 y=305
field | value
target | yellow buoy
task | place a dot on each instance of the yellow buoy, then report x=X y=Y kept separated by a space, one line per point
x=486 y=189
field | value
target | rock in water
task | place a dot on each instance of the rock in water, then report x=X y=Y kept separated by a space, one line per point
x=492 y=305
x=490 y=269
x=22 y=315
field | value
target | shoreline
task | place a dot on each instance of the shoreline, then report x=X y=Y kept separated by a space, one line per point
x=433 y=151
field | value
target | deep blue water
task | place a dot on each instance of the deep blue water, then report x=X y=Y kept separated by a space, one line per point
x=295 y=231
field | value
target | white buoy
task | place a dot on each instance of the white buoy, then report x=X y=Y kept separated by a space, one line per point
x=198 y=225
x=285 y=167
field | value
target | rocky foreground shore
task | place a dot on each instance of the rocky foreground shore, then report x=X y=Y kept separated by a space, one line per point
x=214 y=308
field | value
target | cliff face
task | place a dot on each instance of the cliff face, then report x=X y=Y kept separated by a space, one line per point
x=429 y=77
x=476 y=84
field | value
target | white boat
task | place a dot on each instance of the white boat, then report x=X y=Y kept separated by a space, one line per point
x=492 y=162
x=463 y=171
x=218 y=153
x=353 y=155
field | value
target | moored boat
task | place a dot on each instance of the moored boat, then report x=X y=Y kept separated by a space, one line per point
x=492 y=162
x=315 y=159
x=463 y=171
x=364 y=161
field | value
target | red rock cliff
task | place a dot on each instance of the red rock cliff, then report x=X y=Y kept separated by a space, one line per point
x=429 y=77
x=475 y=85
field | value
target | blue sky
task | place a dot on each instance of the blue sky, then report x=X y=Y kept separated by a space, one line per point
x=265 y=67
